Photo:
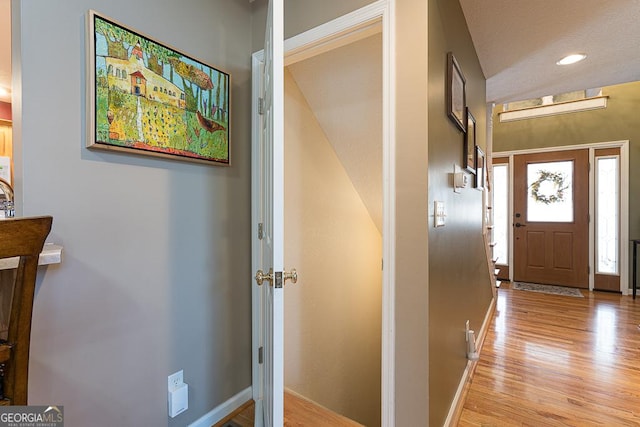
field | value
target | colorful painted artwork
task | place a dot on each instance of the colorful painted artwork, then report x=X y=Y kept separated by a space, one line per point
x=148 y=98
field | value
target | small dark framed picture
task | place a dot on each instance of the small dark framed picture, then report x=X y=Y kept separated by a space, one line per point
x=456 y=94
x=481 y=167
x=468 y=162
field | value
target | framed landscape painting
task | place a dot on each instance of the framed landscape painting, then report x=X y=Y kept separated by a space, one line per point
x=147 y=98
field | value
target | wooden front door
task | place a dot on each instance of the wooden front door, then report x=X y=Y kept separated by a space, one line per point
x=551 y=218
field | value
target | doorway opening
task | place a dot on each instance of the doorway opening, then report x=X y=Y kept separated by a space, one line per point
x=604 y=213
x=359 y=25
x=333 y=229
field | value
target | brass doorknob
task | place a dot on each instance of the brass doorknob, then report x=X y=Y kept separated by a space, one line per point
x=261 y=277
x=291 y=275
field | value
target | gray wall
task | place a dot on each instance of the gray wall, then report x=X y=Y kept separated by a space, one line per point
x=459 y=284
x=156 y=271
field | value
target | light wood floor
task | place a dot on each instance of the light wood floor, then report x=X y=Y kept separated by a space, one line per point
x=297 y=412
x=547 y=361
x=558 y=361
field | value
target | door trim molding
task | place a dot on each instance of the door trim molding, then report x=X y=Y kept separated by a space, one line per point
x=341 y=31
x=371 y=19
x=606 y=144
x=624 y=203
x=257 y=374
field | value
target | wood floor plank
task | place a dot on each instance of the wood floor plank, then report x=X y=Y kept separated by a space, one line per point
x=298 y=411
x=547 y=361
x=558 y=361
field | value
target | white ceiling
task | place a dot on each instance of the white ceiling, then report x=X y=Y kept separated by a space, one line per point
x=519 y=41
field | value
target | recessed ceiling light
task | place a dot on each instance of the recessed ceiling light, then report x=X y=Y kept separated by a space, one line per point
x=572 y=59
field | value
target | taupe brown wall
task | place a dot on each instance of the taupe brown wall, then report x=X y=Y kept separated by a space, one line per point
x=333 y=315
x=412 y=374
x=459 y=284
x=619 y=121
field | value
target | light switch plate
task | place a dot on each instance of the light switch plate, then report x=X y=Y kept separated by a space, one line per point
x=439 y=215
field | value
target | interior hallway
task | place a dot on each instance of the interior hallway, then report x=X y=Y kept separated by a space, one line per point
x=558 y=361
x=547 y=360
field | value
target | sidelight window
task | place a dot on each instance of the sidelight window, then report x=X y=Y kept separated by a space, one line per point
x=607 y=214
x=501 y=213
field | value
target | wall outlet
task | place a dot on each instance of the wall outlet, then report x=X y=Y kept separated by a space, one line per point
x=470 y=337
x=175 y=380
x=178 y=395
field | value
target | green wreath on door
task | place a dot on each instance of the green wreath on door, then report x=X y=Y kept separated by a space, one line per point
x=558 y=181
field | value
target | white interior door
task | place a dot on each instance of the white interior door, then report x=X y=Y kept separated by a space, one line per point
x=269 y=185
x=267 y=197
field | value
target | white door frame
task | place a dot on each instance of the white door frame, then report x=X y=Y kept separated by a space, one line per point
x=624 y=203
x=371 y=19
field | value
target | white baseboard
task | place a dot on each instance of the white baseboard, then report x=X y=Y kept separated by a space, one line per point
x=218 y=413
x=458 y=399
